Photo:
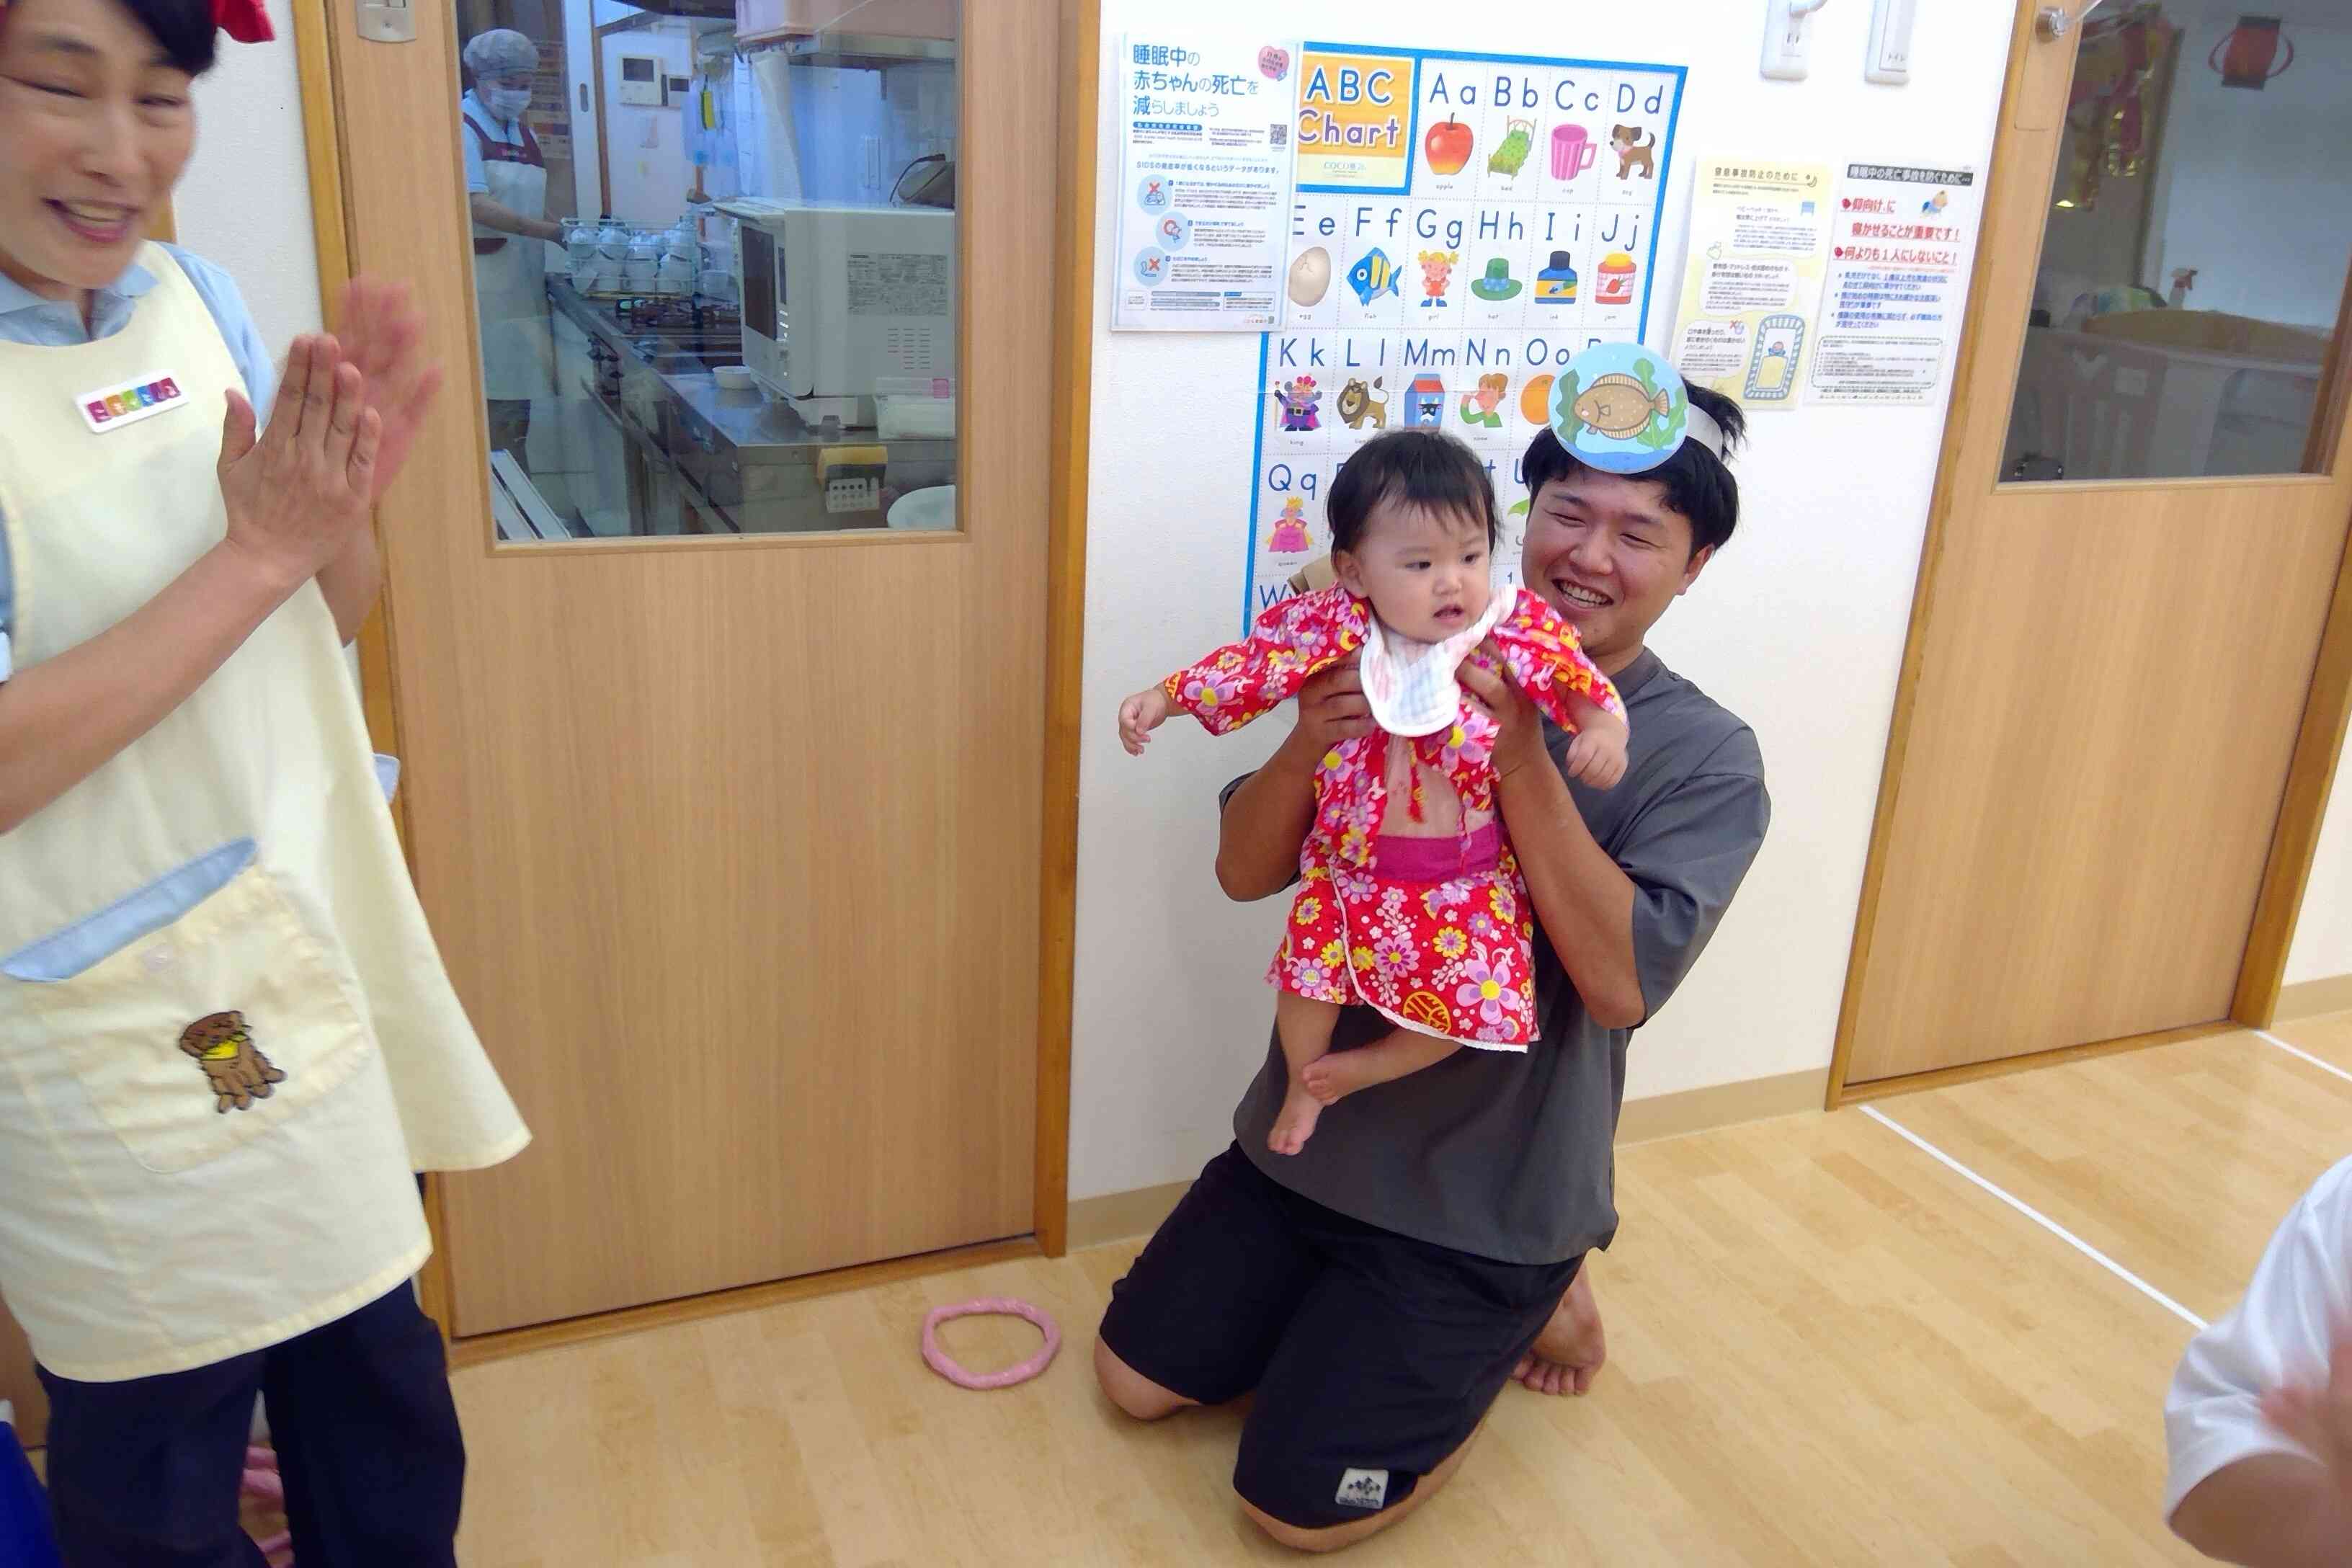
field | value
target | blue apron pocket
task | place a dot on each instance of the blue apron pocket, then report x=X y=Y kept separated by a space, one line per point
x=95 y=938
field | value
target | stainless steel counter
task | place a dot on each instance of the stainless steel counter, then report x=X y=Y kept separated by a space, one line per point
x=741 y=454
x=762 y=430
x=759 y=429
x=756 y=461
x=683 y=328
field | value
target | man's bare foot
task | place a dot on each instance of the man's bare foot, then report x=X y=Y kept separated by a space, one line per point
x=1569 y=1354
x=1294 y=1124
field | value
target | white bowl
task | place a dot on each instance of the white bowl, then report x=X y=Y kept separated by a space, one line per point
x=925 y=509
x=733 y=378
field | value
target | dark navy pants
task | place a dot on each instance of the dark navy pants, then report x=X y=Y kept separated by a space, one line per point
x=144 y=1474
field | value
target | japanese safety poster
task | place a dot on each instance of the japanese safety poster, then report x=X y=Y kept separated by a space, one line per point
x=1899 y=247
x=1759 y=238
x=1204 y=185
x=1462 y=225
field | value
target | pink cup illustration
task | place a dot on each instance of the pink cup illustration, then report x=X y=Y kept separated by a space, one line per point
x=1572 y=151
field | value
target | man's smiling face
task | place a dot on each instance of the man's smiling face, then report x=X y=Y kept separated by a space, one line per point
x=1609 y=554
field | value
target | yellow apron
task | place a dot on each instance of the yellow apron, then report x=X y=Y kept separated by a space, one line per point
x=208 y=1133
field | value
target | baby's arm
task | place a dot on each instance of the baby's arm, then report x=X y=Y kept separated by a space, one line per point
x=1240 y=681
x=1597 y=755
x=1140 y=715
x=1541 y=652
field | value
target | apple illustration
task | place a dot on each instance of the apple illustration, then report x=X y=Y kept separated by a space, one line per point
x=1447 y=146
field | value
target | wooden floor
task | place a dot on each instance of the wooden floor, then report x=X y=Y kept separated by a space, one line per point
x=1827 y=1347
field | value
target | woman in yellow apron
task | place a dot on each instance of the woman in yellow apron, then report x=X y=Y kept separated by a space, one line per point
x=506 y=184
x=227 y=1039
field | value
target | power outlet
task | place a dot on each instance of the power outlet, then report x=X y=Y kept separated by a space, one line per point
x=1789 y=38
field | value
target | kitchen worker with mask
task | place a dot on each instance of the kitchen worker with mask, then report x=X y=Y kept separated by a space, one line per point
x=226 y=1039
x=506 y=184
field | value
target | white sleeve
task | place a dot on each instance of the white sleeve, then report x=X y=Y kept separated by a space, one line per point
x=2280 y=1332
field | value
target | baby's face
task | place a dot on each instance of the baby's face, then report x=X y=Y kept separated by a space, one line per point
x=1427 y=574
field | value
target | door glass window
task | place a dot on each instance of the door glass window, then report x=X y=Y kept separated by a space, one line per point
x=2194 y=248
x=714 y=255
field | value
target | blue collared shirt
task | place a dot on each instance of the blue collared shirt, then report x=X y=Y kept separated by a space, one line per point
x=26 y=318
x=471 y=107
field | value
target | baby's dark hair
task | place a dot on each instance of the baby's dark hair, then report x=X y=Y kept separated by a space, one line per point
x=1425 y=469
x=1697 y=483
x=185 y=29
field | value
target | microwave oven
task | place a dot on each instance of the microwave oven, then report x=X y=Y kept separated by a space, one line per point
x=836 y=300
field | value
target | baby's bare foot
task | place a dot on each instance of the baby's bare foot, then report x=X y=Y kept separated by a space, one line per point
x=1316 y=1079
x=1332 y=1077
x=1295 y=1123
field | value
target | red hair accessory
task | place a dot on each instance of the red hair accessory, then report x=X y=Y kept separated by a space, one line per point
x=243 y=20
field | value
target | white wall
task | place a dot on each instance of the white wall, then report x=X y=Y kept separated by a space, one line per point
x=644 y=146
x=2322 y=948
x=245 y=200
x=1798 y=626
x=578 y=63
x=2254 y=183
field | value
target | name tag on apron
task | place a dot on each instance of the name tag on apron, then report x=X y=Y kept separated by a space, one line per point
x=113 y=407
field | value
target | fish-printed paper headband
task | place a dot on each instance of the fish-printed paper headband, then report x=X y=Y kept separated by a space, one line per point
x=1622 y=409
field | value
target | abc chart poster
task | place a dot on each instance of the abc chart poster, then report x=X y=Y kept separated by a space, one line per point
x=1462 y=225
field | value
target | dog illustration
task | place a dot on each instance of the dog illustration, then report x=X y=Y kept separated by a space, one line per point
x=1356 y=403
x=224 y=1047
x=1626 y=141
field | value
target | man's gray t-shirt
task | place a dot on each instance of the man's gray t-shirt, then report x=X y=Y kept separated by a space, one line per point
x=1507 y=1155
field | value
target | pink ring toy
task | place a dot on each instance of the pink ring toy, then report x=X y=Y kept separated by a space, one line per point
x=990 y=1307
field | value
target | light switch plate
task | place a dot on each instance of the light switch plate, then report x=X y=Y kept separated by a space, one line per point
x=1889 y=60
x=387 y=22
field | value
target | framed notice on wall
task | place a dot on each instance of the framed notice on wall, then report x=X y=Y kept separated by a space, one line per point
x=1899 y=256
x=1759 y=236
x=1204 y=184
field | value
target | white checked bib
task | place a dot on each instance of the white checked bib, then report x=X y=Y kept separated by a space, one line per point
x=1410 y=685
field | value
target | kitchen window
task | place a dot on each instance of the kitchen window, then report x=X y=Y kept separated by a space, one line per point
x=715 y=258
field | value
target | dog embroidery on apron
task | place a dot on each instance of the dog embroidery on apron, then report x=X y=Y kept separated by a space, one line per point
x=224 y=1047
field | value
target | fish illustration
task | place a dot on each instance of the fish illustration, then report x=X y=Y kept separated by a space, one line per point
x=1618 y=406
x=1373 y=276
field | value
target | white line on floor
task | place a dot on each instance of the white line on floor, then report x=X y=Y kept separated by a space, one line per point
x=2299 y=1051
x=2038 y=1218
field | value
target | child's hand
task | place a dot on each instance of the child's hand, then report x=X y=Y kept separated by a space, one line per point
x=1597 y=755
x=1138 y=716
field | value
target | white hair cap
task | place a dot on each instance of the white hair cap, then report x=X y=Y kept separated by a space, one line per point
x=501 y=51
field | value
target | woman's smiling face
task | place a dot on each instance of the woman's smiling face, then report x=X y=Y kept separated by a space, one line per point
x=95 y=127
